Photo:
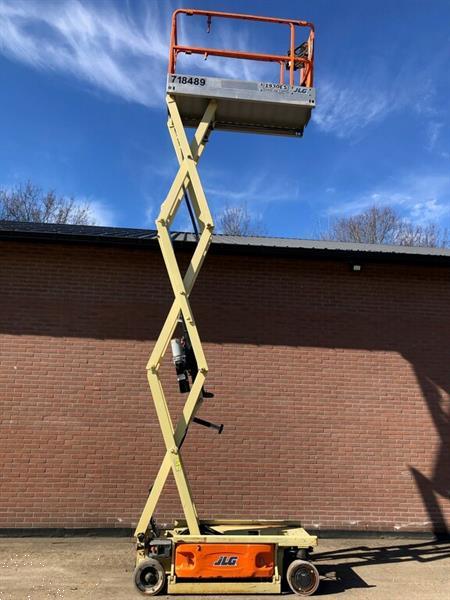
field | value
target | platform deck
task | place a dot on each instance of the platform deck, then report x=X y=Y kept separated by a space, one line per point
x=248 y=106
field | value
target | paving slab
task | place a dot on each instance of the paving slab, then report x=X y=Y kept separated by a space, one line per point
x=82 y=568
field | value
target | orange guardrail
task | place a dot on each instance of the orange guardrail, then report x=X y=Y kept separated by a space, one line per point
x=299 y=58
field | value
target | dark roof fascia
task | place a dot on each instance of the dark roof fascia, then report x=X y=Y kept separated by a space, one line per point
x=221 y=245
x=73 y=238
x=355 y=256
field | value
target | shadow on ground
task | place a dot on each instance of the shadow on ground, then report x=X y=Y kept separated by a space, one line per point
x=336 y=567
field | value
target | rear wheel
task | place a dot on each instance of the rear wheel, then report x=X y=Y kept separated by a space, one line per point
x=302 y=577
x=149 y=577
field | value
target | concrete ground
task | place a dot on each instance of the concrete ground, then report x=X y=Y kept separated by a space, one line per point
x=94 y=567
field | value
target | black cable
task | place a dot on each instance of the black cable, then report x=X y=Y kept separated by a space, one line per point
x=191 y=214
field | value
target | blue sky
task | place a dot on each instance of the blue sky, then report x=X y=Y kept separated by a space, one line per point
x=82 y=110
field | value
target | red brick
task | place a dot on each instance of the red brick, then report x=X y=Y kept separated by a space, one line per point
x=333 y=387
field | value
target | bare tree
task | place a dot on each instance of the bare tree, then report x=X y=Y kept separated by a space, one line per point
x=429 y=235
x=29 y=203
x=237 y=220
x=383 y=225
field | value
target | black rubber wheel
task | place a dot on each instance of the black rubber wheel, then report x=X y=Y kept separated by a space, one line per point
x=149 y=577
x=302 y=577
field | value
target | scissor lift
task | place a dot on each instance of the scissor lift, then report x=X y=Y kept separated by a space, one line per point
x=195 y=556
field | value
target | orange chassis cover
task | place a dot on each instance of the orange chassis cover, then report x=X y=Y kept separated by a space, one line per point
x=230 y=561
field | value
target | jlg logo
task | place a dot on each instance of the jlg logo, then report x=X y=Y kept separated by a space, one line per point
x=226 y=561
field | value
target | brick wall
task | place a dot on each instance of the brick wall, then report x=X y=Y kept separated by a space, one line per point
x=333 y=387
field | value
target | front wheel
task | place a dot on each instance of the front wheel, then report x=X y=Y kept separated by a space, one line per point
x=302 y=577
x=149 y=577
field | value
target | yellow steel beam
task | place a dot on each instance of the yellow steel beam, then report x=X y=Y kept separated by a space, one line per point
x=187 y=178
x=196 y=147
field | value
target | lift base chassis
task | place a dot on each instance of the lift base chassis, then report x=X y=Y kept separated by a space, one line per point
x=281 y=537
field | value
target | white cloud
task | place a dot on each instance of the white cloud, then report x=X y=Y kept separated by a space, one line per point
x=361 y=95
x=101 y=213
x=343 y=108
x=433 y=132
x=152 y=212
x=421 y=198
x=259 y=189
x=430 y=210
x=120 y=51
x=98 y=45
